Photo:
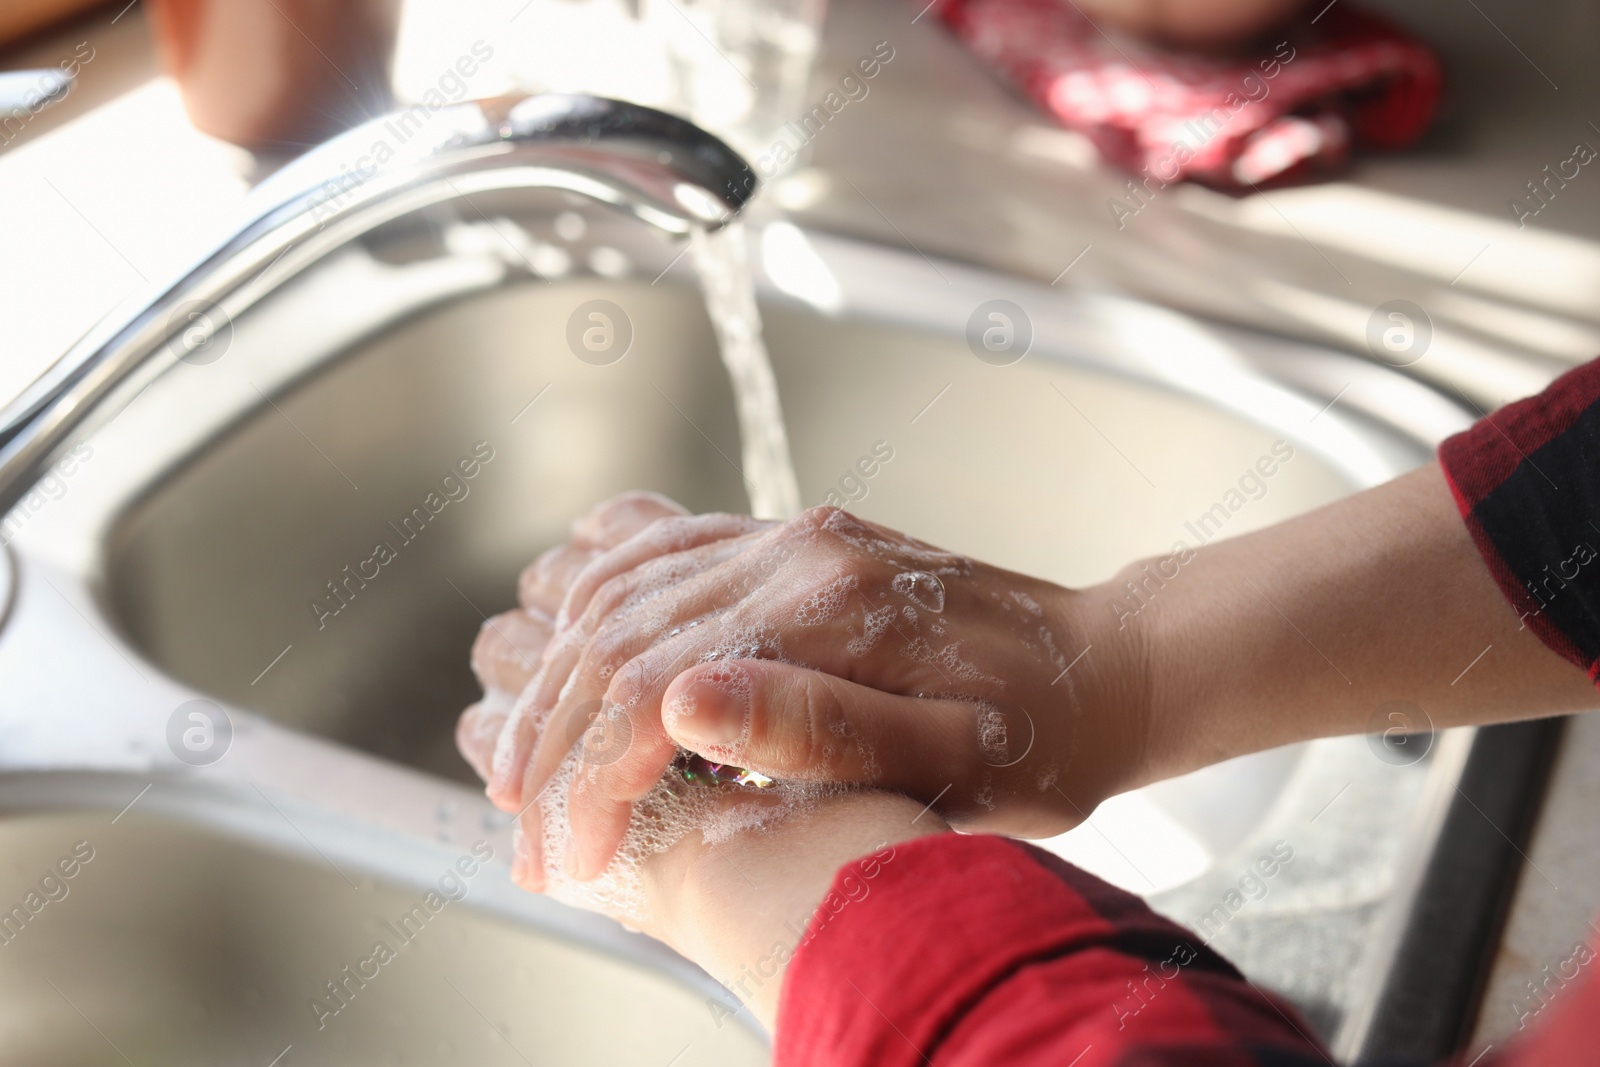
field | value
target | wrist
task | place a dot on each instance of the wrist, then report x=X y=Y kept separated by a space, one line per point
x=741 y=909
x=1171 y=625
x=1107 y=692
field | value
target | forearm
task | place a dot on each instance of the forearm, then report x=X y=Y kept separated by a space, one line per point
x=1307 y=628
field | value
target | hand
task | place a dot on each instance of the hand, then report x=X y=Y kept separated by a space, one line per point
x=824 y=648
x=740 y=910
x=506 y=655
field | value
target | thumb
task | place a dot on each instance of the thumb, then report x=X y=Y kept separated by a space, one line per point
x=792 y=722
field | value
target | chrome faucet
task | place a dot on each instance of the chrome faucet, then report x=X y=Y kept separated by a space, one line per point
x=661 y=169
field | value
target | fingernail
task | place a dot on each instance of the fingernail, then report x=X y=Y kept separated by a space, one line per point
x=710 y=711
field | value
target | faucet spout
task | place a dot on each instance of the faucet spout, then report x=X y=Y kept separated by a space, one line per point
x=661 y=169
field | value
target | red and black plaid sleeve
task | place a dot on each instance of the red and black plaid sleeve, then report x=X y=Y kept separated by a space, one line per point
x=970 y=951
x=1527 y=481
x=958 y=951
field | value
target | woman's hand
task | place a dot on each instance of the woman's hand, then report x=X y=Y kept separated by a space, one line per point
x=824 y=648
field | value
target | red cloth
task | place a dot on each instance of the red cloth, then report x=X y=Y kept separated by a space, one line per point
x=981 y=951
x=1289 y=110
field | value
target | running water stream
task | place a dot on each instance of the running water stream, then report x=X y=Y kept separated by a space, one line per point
x=722 y=261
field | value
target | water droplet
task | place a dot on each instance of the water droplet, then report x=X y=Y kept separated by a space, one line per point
x=921 y=588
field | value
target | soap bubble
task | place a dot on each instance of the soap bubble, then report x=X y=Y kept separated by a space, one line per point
x=921 y=588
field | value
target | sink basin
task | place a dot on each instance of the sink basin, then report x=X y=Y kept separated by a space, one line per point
x=1008 y=465
x=178 y=944
x=207 y=546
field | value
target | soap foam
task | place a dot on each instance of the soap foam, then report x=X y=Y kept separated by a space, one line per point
x=672 y=811
x=1030 y=605
x=904 y=552
x=1051 y=650
x=825 y=604
x=984 y=797
x=948 y=661
x=992 y=735
x=873 y=625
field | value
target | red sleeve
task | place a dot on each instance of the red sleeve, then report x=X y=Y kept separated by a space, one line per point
x=973 y=951
x=1527 y=481
x=961 y=951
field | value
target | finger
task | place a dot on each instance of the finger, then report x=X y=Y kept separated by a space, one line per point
x=663 y=538
x=613 y=521
x=508 y=649
x=610 y=777
x=690 y=615
x=791 y=722
x=527 y=863
x=543 y=583
x=519 y=730
x=578 y=664
x=601 y=799
x=505 y=657
x=631 y=612
x=478 y=728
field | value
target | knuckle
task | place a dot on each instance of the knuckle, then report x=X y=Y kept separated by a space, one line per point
x=675 y=529
x=604 y=658
x=856 y=568
x=815 y=519
x=826 y=728
x=544 y=581
x=609 y=599
x=628 y=686
x=528 y=584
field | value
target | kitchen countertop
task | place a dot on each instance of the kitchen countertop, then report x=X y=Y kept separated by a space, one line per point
x=1510 y=306
x=942 y=158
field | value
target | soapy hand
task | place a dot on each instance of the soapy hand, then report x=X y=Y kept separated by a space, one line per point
x=694 y=888
x=823 y=649
x=509 y=647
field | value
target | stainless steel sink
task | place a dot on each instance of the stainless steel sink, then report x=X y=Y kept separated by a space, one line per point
x=180 y=944
x=186 y=554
